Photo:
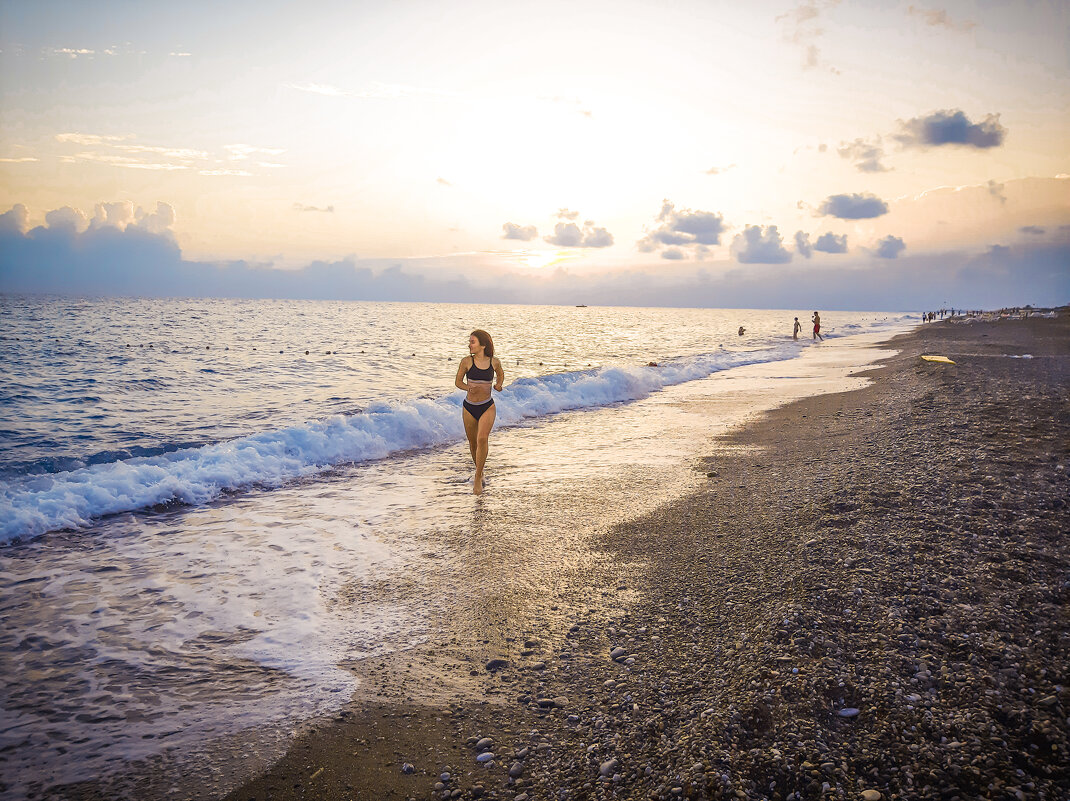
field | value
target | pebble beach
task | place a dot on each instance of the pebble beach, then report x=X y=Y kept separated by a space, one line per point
x=866 y=599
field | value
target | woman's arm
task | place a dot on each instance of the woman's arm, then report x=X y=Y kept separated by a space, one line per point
x=459 y=381
x=500 y=373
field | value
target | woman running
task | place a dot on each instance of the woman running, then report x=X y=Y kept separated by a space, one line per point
x=477 y=381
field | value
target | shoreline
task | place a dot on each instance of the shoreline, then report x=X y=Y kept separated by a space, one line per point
x=841 y=536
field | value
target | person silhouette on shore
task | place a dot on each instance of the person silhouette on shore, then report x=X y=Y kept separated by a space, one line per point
x=817 y=327
x=742 y=330
x=798 y=328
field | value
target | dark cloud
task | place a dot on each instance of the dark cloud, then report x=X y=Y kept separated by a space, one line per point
x=760 y=245
x=951 y=127
x=1034 y=230
x=830 y=243
x=865 y=155
x=853 y=207
x=303 y=207
x=802 y=244
x=570 y=235
x=996 y=190
x=673 y=254
x=890 y=247
x=684 y=228
x=525 y=233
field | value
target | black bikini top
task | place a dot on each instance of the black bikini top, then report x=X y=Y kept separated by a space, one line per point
x=480 y=373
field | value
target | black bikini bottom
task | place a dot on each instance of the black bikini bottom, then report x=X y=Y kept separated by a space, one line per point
x=477 y=411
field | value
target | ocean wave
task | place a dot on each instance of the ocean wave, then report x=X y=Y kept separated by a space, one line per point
x=72 y=499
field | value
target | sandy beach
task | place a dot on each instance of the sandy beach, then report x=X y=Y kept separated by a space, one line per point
x=865 y=598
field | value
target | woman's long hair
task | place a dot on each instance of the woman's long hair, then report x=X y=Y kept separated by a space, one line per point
x=485 y=341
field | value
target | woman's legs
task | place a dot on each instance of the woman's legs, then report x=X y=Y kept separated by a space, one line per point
x=483 y=426
x=470 y=427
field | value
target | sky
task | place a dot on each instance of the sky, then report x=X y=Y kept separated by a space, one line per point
x=827 y=153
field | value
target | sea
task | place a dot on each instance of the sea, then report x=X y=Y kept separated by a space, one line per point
x=210 y=509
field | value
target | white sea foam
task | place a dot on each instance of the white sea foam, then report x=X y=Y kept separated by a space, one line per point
x=71 y=499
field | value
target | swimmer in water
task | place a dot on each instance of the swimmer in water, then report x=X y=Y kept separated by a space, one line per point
x=477 y=374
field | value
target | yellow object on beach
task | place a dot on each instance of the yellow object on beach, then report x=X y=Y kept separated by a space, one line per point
x=942 y=359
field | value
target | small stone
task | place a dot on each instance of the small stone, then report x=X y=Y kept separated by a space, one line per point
x=485 y=757
x=485 y=744
x=849 y=712
x=497 y=664
x=538 y=666
x=561 y=702
x=871 y=795
x=516 y=769
x=609 y=767
x=408 y=769
x=617 y=653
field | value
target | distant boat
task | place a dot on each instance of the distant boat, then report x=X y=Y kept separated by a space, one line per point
x=581 y=305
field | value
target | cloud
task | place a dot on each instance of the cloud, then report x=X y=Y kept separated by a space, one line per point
x=853 y=207
x=239 y=173
x=16 y=221
x=303 y=207
x=890 y=247
x=996 y=190
x=802 y=244
x=1034 y=230
x=830 y=243
x=442 y=182
x=88 y=139
x=720 y=170
x=110 y=261
x=938 y=17
x=570 y=235
x=67 y=217
x=865 y=155
x=238 y=152
x=801 y=26
x=951 y=127
x=760 y=245
x=157 y=222
x=684 y=228
x=565 y=214
x=18 y=160
x=673 y=254
x=525 y=233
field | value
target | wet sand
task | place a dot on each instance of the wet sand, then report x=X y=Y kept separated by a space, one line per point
x=868 y=595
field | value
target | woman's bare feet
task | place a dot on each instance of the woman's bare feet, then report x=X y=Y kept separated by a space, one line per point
x=477 y=484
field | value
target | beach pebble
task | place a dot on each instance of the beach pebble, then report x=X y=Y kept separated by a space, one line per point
x=617 y=653
x=871 y=795
x=408 y=768
x=486 y=756
x=484 y=744
x=497 y=664
x=516 y=769
x=609 y=767
x=849 y=712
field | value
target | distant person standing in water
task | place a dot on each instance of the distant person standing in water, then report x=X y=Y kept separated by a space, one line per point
x=798 y=328
x=477 y=374
x=742 y=330
x=817 y=327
